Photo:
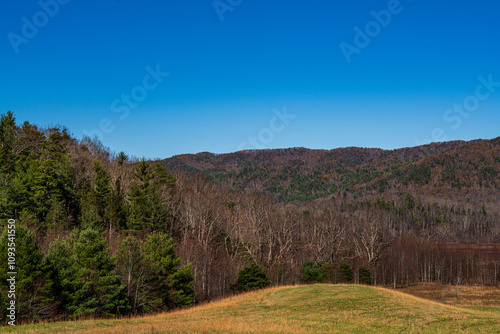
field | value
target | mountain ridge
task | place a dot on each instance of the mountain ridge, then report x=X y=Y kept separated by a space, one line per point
x=305 y=174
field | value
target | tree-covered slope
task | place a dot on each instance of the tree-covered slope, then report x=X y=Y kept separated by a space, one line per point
x=451 y=168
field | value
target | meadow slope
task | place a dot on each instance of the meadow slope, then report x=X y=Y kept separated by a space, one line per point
x=299 y=309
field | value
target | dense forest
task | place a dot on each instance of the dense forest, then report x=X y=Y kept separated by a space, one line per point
x=458 y=169
x=100 y=234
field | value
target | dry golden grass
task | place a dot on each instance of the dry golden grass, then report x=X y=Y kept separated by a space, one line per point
x=299 y=309
x=484 y=296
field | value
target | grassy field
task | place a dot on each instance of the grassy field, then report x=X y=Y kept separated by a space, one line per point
x=300 y=309
x=462 y=295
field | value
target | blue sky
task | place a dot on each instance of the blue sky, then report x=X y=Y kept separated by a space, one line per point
x=253 y=74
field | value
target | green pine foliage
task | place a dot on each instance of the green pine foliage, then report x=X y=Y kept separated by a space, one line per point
x=102 y=189
x=365 y=276
x=121 y=158
x=38 y=179
x=147 y=208
x=153 y=275
x=251 y=278
x=346 y=272
x=171 y=282
x=95 y=289
x=181 y=286
x=7 y=137
x=59 y=258
x=35 y=292
x=54 y=184
x=313 y=273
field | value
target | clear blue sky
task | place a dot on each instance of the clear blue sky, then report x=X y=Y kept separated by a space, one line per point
x=227 y=78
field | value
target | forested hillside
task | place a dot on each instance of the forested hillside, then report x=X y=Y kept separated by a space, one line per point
x=87 y=230
x=99 y=234
x=459 y=169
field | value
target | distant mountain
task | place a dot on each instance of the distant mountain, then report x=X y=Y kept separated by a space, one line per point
x=457 y=169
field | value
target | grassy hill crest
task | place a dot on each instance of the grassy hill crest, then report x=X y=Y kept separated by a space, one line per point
x=299 y=309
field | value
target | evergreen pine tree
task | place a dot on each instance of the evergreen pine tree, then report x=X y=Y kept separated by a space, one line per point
x=365 y=276
x=251 y=278
x=139 y=195
x=147 y=207
x=50 y=181
x=96 y=289
x=102 y=188
x=174 y=283
x=121 y=158
x=346 y=272
x=59 y=258
x=34 y=287
x=312 y=273
x=7 y=136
